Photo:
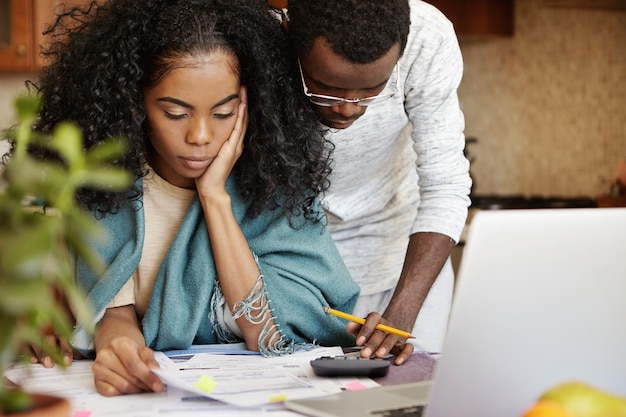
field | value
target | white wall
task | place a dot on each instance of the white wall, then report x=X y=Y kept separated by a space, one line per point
x=11 y=85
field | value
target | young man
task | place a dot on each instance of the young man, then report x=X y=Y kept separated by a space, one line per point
x=384 y=75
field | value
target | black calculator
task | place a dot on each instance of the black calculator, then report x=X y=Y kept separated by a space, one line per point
x=350 y=365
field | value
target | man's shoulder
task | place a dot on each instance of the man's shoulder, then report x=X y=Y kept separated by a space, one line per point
x=429 y=28
x=426 y=17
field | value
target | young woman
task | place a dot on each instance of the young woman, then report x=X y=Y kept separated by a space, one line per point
x=222 y=239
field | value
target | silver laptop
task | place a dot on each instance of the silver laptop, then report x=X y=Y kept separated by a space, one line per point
x=540 y=299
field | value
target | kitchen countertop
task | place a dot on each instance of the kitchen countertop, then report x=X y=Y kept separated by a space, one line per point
x=515 y=201
x=497 y=202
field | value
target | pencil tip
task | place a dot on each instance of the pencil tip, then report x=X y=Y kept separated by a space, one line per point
x=326 y=309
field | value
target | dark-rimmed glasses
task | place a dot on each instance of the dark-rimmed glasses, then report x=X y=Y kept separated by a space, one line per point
x=330 y=101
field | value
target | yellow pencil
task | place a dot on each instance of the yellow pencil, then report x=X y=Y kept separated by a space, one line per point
x=386 y=329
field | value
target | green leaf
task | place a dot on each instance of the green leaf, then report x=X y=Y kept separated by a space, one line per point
x=107 y=151
x=84 y=227
x=82 y=310
x=14 y=400
x=27 y=107
x=105 y=178
x=85 y=252
x=7 y=324
x=68 y=141
x=30 y=248
x=36 y=245
x=19 y=297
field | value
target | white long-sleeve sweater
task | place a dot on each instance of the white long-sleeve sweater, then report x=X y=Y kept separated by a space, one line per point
x=400 y=168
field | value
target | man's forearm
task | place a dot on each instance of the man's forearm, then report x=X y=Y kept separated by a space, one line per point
x=425 y=257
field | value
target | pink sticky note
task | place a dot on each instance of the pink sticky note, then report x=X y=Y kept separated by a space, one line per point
x=82 y=413
x=355 y=385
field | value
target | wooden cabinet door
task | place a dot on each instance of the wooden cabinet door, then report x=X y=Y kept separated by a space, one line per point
x=16 y=35
x=478 y=17
x=281 y=4
x=22 y=23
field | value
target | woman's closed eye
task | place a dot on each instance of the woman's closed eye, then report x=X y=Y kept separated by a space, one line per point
x=175 y=116
x=179 y=116
x=224 y=115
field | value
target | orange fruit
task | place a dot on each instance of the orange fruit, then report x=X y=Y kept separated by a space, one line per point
x=547 y=408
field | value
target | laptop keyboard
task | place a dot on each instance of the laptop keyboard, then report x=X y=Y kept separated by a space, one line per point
x=413 y=411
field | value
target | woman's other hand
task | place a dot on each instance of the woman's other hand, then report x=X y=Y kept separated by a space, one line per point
x=123 y=363
x=124 y=367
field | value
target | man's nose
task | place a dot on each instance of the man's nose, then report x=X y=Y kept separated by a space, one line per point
x=348 y=110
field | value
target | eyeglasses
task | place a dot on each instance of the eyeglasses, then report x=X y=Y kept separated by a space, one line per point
x=330 y=101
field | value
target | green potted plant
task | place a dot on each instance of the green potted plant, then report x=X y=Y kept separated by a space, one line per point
x=41 y=228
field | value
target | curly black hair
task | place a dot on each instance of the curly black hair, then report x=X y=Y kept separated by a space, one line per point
x=361 y=31
x=103 y=56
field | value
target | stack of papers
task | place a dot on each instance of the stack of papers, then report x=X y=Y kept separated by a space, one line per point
x=223 y=379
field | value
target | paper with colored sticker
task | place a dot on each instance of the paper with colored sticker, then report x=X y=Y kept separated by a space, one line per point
x=77 y=384
x=253 y=380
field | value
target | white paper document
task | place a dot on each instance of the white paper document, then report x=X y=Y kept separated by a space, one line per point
x=252 y=380
x=227 y=383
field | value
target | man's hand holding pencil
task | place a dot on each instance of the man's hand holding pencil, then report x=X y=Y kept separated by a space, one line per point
x=376 y=337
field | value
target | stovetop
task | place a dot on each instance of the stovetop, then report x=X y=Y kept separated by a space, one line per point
x=499 y=202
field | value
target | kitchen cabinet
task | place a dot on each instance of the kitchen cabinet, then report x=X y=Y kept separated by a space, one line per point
x=16 y=35
x=607 y=200
x=21 y=25
x=587 y=4
x=470 y=17
x=281 y=4
x=476 y=18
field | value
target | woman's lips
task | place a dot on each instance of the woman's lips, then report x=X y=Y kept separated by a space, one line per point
x=197 y=164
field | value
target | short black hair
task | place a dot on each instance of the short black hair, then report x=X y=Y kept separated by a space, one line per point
x=361 y=31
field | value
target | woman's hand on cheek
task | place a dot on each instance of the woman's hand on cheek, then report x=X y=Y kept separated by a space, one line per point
x=214 y=178
x=124 y=367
